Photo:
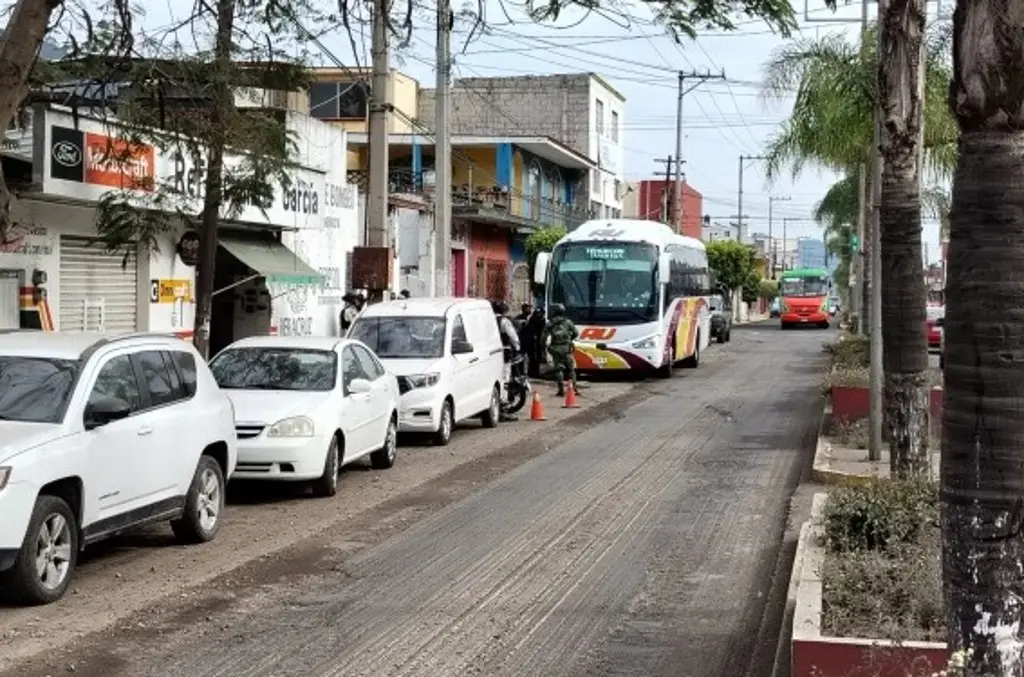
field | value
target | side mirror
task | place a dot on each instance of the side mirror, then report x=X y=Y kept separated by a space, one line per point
x=665 y=268
x=359 y=386
x=105 y=410
x=461 y=347
x=540 y=268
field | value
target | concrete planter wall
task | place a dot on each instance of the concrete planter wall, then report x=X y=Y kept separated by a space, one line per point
x=851 y=403
x=818 y=655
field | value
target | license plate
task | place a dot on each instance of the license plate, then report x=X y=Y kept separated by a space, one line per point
x=803 y=319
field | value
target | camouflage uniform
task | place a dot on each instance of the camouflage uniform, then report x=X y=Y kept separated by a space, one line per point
x=561 y=332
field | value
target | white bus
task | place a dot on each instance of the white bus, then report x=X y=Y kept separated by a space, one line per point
x=637 y=292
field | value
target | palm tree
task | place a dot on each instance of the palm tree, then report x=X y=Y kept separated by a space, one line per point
x=983 y=413
x=837 y=214
x=831 y=126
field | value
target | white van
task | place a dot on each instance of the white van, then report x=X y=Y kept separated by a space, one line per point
x=447 y=355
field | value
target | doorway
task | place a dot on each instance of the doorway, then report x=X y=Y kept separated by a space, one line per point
x=458 y=272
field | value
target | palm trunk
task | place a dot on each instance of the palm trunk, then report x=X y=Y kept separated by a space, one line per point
x=983 y=419
x=19 y=45
x=214 y=185
x=904 y=298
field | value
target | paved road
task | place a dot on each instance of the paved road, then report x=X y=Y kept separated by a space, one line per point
x=643 y=545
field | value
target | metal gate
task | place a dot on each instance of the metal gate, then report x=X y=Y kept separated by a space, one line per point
x=97 y=292
x=492 y=279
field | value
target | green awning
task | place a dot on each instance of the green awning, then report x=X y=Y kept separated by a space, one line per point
x=271 y=259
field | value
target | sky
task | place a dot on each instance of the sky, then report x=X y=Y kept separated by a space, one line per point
x=722 y=119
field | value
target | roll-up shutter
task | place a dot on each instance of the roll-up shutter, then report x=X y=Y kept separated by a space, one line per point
x=97 y=293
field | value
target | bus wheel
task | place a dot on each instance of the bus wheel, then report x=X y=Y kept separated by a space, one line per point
x=665 y=370
x=693 y=361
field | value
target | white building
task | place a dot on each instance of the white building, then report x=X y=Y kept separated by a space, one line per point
x=607 y=114
x=280 y=269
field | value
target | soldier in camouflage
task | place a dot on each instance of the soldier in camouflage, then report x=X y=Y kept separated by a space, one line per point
x=561 y=333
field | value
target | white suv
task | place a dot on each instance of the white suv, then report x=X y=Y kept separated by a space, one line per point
x=100 y=434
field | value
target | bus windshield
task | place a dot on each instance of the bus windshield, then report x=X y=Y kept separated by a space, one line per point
x=606 y=282
x=805 y=287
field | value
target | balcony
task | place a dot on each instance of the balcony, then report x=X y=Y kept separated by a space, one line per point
x=495 y=204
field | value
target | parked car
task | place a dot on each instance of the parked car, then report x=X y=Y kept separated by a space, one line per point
x=935 y=313
x=721 y=318
x=448 y=357
x=101 y=434
x=305 y=407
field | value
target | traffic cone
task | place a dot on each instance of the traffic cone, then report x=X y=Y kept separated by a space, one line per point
x=537 y=409
x=570 y=397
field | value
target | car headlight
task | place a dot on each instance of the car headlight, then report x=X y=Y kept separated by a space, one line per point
x=5 y=474
x=296 y=426
x=649 y=343
x=423 y=380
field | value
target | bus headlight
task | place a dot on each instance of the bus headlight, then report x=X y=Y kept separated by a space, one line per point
x=649 y=343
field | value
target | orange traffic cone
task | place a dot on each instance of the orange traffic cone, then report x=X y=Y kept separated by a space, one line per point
x=570 y=397
x=537 y=409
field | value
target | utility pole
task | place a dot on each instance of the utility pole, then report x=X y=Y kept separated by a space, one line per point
x=671 y=164
x=875 y=373
x=739 y=196
x=379 y=231
x=771 y=240
x=443 y=148
x=701 y=78
x=858 y=278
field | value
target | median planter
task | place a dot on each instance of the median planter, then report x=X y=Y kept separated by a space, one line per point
x=852 y=403
x=816 y=653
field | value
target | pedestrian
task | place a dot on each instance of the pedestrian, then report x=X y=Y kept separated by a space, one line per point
x=511 y=345
x=561 y=334
x=531 y=336
x=349 y=312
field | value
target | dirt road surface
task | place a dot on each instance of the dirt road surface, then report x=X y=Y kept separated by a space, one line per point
x=639 y=538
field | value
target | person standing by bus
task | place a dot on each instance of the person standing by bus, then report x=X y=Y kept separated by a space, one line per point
x=562 y=334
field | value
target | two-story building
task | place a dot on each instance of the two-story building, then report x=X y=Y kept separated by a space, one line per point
x=503 y=188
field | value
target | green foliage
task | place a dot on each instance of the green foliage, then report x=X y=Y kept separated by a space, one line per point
x=767 y=289
x=542 y=240
x=849 y=350
x=881 y=515
x=732 y=264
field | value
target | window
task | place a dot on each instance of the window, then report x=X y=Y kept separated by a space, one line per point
x=458 y=330
x=117 y=380
x=370 y=366
x=599 y=116
x=352 y=368
x=35 y=390
x=186 y=364
x=615 y=126
x=595 y=180
x=156 y=376
x=275 y=368
x=401 y=337
x=338 y=100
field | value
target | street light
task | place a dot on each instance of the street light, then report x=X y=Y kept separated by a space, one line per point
x=771 y=201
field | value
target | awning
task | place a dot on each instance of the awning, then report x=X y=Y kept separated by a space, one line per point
x=271 y=259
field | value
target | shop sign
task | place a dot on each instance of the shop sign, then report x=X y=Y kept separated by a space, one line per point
x=170 y=290
x=100 y=160
x=188 y=248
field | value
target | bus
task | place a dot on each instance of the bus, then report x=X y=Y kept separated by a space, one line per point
x=636 y=291
x=803 y=297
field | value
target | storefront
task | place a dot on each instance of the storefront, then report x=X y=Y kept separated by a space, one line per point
x=280 y=268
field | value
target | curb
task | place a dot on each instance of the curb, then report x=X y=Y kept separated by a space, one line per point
x=822 y=472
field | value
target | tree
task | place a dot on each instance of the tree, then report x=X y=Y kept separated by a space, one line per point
x=182 y=101
x=831 y=126
x=732 y=265
x=542 y=240
x=982 y=423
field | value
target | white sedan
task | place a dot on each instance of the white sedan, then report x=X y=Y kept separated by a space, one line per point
x=305 y=407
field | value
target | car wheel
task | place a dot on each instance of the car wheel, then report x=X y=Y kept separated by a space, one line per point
x=721 y=337
x=693 y=361
x=666 y=369
x=204 y=504
x=728 y=335
x=444 y=429
x=490 y=417
x=384 y=458
x=46 y=562
x=327 y=485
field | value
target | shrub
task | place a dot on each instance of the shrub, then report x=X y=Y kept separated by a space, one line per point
x=881 y=515
x=850 y=435
x=850 y=377
x=849 y=350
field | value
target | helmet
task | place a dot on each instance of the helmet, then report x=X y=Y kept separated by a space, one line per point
x=500 y=307
x=556 y=310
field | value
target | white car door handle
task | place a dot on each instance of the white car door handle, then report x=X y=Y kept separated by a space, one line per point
x=145 y=430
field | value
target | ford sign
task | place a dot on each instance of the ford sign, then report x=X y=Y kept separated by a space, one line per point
x=67 y=154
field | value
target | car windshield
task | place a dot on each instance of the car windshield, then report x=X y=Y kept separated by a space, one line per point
x=272 y=368
x=935 y=312
x=606 y=282
x=401 y=337
x=806 y=287
x=716 y=302
x=35 y=389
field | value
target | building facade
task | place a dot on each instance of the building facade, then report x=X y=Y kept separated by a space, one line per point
x=715 y=231
x=651 y=199
x=581 y=111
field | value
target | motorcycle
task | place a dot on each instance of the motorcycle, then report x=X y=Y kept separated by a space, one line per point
x=518 y=387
